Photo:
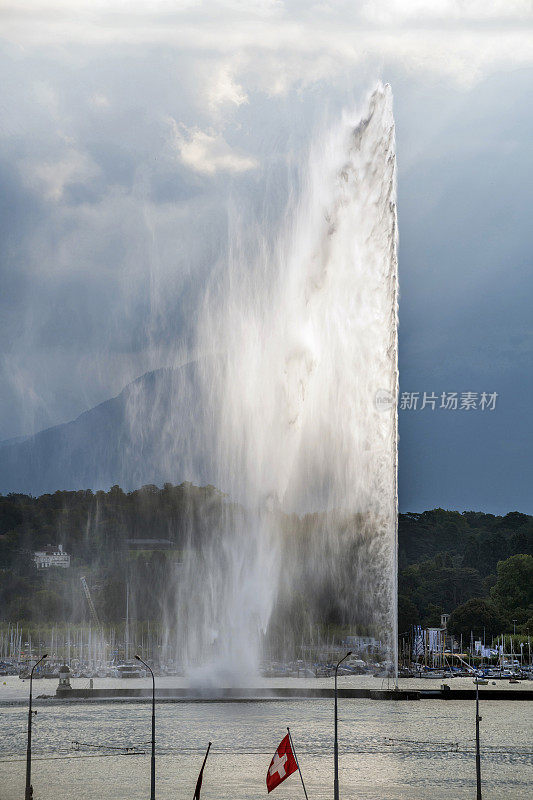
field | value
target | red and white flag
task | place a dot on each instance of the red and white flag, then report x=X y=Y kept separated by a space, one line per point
x=282 y=765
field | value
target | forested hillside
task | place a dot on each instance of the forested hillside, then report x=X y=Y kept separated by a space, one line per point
x=476 y=566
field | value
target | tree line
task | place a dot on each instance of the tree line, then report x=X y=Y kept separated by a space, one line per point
x=476 y=567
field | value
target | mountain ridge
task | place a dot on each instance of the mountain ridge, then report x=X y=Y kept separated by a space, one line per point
x=90 y=450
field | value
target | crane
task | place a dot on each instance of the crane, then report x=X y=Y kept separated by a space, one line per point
x=90 y=603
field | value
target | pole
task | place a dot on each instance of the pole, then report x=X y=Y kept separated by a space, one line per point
x=478 y=754
x=127 y=627
x=201 y=776
x=297 y=762
x=152 y=764
x=336 y=742
x=29 y=789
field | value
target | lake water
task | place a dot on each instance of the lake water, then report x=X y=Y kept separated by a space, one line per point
x=388 y=750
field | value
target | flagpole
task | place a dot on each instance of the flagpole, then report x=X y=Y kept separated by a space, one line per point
x=207 y=753
x=200 y=776
x=297 y=762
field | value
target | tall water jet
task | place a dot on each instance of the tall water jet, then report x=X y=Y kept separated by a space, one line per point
x=295 y=416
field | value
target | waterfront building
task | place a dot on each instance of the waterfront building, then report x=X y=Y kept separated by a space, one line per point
x=51 y=556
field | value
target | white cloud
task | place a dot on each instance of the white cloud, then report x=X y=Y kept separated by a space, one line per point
x=52 y=177
x=222 y=89
x=99 y=100
x=387 y=12
x=275 y=45
x=208 y=152
x=93 y=84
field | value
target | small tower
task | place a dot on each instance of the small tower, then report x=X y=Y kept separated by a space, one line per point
x=64 y=677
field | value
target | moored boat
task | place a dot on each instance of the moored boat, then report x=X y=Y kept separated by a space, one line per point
x=129 y=670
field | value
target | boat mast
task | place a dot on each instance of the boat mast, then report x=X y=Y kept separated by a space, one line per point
x=127 y=632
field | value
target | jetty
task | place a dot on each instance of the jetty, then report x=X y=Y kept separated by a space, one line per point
x=190 y=694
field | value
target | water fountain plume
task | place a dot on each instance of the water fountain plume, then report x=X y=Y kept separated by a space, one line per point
x=296 y=413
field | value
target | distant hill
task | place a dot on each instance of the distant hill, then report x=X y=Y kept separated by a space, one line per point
x=476 y=565
x=136 y=438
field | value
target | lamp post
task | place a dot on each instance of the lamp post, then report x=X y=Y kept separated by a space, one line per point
x=336 y=742
x=29 y=791
x=478 y=753
x=152 y=780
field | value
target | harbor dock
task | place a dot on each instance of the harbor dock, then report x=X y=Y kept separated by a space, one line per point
x=170 y=694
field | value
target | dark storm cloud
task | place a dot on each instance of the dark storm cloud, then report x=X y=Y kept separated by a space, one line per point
x=125 y=140
x=99 y=222
x=467 y=283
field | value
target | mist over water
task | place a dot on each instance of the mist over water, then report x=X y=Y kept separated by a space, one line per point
x=292 y=411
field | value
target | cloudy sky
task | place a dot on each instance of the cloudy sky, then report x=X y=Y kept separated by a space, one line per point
x=132 y=131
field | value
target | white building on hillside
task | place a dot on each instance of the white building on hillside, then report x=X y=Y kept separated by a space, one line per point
x=51 y=557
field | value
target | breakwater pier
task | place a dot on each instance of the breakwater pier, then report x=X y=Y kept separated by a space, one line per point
x=190 y=694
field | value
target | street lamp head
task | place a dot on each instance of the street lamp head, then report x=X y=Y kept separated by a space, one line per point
x=349 y=653
x=45 y=655
x=137 y=657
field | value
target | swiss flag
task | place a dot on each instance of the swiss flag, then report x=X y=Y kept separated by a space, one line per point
x=282 y=765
